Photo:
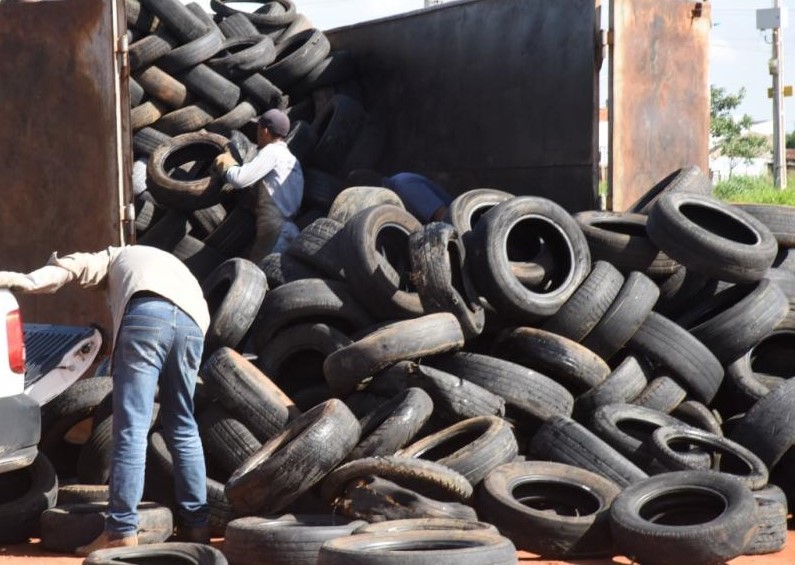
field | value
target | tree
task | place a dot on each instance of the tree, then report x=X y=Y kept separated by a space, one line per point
x=730 y=135
x=790 y=142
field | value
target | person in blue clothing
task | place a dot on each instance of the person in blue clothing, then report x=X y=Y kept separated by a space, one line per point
x=421 y=196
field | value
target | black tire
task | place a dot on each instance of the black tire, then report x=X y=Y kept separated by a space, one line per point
x=211 y=87
x=427 y=478
x=263 y=92
x=778 y=219
x=626 y=314
x=771 y=412
x=233 y=120
x=190 y=54
x=188 y=195
x=530 y=397
x=349 y=202
x=146 y=114
x=301 y=141
x=232 y=236
x=393 y=424
x=227 y=440
x=733 y=321
x=24 y=495
x=472 y=447
x=318 y=245
x=163 y=87
x=732 y=458
x=286 y=540
x=405 y=340
x=661 y=394
x=554 y=510
x=59 y=417
x=65 y=528
x=241 y=56
x=507 y=233
x=175 y=553
x=622 y=385
x=628 y=429
x=294 y=357
x=337 y=127
x=565 y=441
x=247 y=393
x=149 y=49
x=689 y=362
x=309 y=300
x=200 y=259
x=136 y=92
x=297 y=56
x=711 y=237
x=80 y=494
x=687 y=179
x=267 y=18
x=177 y=18
x=588 y=304
x=574 y=366
x=440 y=274
x=468 y=208
x=621 y=239
x=339 y=66
x=683 y=517
x=295 y=460
x=771 y=535
x=426 y=524
x=454 y=399
x=234 y=293
x=377 y=263
x=419 y=548
x=696 y=414
x=772 y=357
x=147 y=139
x=237 y=25
x=185 y=120
x=320 y=189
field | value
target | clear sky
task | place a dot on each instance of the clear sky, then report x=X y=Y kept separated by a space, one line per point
x=739 y=53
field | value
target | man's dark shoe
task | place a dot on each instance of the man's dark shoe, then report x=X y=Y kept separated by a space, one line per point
x=193 y=534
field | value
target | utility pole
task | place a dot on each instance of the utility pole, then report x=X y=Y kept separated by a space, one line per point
x=776 y=69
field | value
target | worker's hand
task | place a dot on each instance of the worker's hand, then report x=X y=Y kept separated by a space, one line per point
x=15 y=281
x=224 y=162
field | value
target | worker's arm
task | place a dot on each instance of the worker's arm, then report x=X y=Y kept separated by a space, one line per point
x=241 y=176
x=89 y=269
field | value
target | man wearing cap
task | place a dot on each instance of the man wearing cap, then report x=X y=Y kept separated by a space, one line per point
x=278 y=182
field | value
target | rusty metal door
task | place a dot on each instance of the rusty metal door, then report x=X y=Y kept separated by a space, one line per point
x=64 y=141
x=658 y=93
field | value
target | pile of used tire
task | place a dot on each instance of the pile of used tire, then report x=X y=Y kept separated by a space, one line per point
x=197 y=82
x=515 y=377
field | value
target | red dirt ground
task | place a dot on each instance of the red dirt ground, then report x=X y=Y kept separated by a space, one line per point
x=32 y=554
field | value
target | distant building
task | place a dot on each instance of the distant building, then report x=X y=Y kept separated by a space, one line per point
x=720 y=166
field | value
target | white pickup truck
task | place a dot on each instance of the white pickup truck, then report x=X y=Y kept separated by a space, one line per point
x=37 y=362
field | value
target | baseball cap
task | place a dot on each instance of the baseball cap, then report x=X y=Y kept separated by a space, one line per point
x=276 y=121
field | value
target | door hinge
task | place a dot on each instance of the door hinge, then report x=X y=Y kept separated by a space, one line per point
x=123 y=51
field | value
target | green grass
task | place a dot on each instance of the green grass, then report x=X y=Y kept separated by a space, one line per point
x=755 y=189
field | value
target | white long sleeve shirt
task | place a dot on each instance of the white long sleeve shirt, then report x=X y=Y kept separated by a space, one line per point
x=279 y=171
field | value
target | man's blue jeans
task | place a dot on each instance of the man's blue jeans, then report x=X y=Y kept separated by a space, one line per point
x=158 y=344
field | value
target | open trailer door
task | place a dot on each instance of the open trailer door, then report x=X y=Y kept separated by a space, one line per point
x=64 y=141
x=658 y=96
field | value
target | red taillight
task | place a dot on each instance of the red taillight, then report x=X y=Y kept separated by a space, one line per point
x=16 y=342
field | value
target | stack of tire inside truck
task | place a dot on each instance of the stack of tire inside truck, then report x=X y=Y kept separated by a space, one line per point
x=515 y=377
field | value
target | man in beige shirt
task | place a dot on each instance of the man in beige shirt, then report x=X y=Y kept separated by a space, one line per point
x=160 y=318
